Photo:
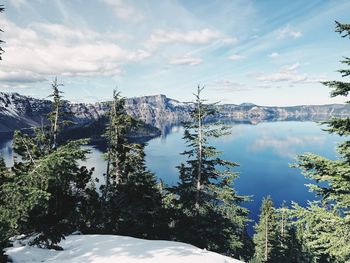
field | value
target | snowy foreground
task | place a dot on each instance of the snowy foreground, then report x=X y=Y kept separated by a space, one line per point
x=108 y=248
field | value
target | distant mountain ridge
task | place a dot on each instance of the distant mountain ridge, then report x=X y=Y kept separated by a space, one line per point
x=18 y=111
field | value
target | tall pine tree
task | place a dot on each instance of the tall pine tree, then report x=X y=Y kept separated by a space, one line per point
x=131 y=197
x=325 y=224
x=51 y=170
x=209 y=214
x=266 y=233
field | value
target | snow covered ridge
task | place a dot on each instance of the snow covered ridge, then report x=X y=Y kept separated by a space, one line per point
x=111 y=249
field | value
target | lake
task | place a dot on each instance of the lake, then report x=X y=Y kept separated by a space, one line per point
x=264 y=152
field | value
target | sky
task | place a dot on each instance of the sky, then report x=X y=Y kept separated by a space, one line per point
x=263 y=52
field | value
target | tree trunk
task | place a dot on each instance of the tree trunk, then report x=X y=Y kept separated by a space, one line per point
x=282 y=225
x=117 y=161
x=112 y=115
x=55 y=127
x=266 y=238
x=199 y=153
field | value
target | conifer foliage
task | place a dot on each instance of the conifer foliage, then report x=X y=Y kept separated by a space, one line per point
x=325 y=224
x=209 y=214
x=46 y=184
x=131 y=197
x=266 y=235
x=276 y=238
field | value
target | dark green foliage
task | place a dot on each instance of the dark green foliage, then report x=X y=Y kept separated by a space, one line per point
x=324 y=225
x=343 y=29
x=131 y=197
x=19 y=194
x=321 y=232
x=208 y=213
x=65 y=182
x=44 y=190
x=276 y=238
x=57 y=117
x=266 y=233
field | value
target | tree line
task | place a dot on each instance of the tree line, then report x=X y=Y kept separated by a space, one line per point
x=48 y=194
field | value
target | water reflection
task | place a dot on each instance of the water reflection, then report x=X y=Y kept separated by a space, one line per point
x=6 y=151
x=264 y=152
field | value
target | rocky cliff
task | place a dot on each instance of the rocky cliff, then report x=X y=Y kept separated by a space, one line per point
x=18 y=111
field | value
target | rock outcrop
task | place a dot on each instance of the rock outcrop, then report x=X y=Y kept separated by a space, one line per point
x=18 y=112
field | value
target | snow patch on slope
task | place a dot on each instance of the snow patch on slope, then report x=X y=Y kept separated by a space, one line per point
x=6 y=104
x=109 y=248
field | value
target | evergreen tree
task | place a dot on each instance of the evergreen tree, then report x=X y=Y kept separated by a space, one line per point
x=51 y=170
x=276 y=239
x=266 y=233
x=117 y=143
x=5 y=225
x=289 y=247
x=209 y=214
x=57 y=116
x=19 y=194
x=131 y=197
x=325 y=224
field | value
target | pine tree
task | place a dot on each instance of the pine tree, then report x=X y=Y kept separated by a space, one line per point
x=266 y=233
x=131 y=197
x=57 y=115
x=289 y=247
x=276 y=238
x=51 y=170
x=117 y=143
x=5 y=220
x=208 y=208
x=19 y=194
x=325 y=224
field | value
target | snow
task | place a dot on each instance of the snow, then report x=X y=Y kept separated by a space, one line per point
x=109 y=248
x=6 y=104
x=176 y=103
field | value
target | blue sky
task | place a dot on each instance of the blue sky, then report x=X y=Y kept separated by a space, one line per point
x=265 y=52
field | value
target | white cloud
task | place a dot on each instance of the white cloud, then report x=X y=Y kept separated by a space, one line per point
x=203 y=36
x=125 y=11
x=236 y=57
x=296 y=34
x=288 y=31
x=290 y=74
x=228 y=83
x=274 y=55
x=18 y=3
x=228 y=86
x=285 y=147
x=186 y=61
x=68 y=34
x=16 y=77
x=41 y=50
x=292 y=67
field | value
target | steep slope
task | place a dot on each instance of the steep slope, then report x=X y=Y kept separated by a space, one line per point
x=17 y=111
x=158 y=110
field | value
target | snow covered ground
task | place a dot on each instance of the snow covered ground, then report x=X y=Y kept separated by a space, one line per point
x=111 y=249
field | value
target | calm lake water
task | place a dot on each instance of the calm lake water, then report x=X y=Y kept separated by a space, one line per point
x=264 y=152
